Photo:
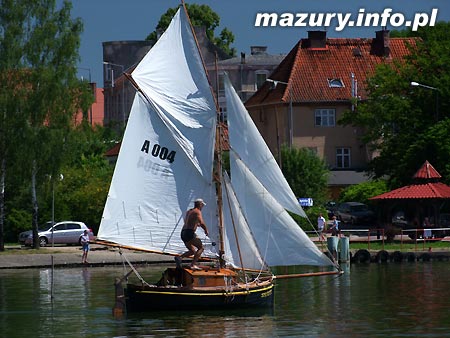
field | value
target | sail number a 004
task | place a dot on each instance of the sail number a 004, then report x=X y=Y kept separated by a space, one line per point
x=157 y=151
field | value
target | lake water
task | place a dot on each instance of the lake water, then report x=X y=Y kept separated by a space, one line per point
x=409 y=299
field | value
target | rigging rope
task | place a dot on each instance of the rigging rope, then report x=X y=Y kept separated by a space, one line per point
x=321 y=284
x=134 y=269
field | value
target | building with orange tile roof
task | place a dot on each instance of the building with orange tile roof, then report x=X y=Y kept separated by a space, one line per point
x=313 y=86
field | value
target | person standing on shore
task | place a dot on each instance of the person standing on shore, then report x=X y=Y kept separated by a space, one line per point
x=334 y=227
x=321 y=226
x=85 y=243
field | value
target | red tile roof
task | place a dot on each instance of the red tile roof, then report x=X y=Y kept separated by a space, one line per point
x=417 y=191
x=422 y=190
x=427 y=171
x=114 y=151
x=307 y=70
x=225 y=144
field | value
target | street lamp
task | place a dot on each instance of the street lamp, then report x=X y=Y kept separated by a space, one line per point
x=89 y=71
x=416 y=84
x=290 y=117
x=123 y=87
x=61 y=177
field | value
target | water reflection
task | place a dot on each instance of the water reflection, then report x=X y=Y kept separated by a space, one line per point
x=211 y=323
x=389 y=299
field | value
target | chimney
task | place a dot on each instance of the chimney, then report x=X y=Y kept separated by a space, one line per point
x=316 y=39
x=242 y=57
x=380 y=45
x=257 y=50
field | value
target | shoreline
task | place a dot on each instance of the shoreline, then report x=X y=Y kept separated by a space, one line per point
x=70 y=256
x=101 y=255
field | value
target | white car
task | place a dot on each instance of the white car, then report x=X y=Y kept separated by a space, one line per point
x=67 y=232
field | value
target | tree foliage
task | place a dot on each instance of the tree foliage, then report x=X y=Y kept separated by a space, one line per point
x=200 y=16
x=306 y=173
x=363 y=191
x=83 y=192
x=79 y=190
x=406 y=124
x=38 y=53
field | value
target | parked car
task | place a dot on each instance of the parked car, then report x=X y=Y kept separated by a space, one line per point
x=67 y=232
x=399 y=220
x=354 y=213
x=331 y=209
x=29 y=233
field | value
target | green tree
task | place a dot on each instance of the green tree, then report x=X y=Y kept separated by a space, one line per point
x=363 y=191
x=200 y=16
x=44 y=44
x=80 y=194
x=307 y=175
x=11 y=17
x=403 y=122
x=83 y=192
x=305 y=172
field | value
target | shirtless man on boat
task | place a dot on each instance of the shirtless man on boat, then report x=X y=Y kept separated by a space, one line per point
x=192 y=220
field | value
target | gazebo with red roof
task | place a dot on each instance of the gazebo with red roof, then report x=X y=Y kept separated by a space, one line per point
x=424 y=198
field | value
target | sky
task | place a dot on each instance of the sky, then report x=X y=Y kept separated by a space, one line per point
x=119 y=20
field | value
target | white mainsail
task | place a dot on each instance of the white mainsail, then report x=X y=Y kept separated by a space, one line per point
x=166 y=156
x=166 y=162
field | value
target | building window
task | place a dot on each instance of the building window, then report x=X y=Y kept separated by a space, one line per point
x=223 y=114
x=325 y=117
x=261 y=77
x=343 y=157
x=108 y=76
x=335 y=83
x=221 y=84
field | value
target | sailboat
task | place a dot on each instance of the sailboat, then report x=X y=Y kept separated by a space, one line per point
x=170 y=156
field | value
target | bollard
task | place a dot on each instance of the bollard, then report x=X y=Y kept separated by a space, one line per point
x=332 y=244
x=344 y=251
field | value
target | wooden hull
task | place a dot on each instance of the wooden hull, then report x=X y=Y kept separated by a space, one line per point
x=203 y=293
x=148 y=299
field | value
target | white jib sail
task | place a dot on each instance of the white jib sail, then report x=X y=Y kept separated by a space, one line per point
x=279 y=238
x=166 y=156
x=264 y=194
x=240 y=247
x=250 y=146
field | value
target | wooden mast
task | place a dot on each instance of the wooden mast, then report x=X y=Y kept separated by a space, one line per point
x=217 y=175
